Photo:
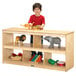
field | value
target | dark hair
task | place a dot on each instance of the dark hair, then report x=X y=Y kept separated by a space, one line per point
x=37 y=5
x=21 y=37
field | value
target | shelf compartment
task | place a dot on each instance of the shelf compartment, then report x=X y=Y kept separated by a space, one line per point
x=29 y=47
x=33 y=64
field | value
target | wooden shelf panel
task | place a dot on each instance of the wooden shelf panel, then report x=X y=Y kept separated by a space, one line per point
x=33 y=64
x=43 y=48
x=36 y=32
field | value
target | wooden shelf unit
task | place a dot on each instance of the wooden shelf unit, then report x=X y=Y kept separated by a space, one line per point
x=9 y=46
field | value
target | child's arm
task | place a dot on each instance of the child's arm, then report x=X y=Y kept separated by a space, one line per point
x=31 y=23
x=43 y=22
x=42 y=25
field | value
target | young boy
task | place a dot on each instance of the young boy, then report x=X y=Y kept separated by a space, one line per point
x=37 y=19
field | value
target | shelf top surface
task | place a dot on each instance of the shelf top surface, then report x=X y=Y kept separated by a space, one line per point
x=35 y=32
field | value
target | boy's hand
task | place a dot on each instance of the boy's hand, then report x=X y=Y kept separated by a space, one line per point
x=31 y=23
x=41 y=26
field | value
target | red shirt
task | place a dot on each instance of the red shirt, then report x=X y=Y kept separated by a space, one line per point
x=38 y=20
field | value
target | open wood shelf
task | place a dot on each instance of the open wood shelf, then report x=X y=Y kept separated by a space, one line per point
x=29 y=47
x=9 y=46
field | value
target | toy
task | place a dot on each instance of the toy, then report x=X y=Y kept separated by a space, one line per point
x=52 y=62
x=13 y=54
x=20 y=39
x=61 y=63
x=37 y=27
x=39 y=59
x=53 y=40
x=28 y=26
x=31 y=57
x=16 y=57
x=34 y=58
x=31 y=27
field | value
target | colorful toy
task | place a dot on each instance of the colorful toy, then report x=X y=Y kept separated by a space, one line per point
x=34 y=58
x=37 y=27
x=31 y=57
x=16 y=57
x=61 y=63
x=39 y=59
x=20 y=39
x=53 y=40
x=52 y=62
x=31 y=27
x=27 y=26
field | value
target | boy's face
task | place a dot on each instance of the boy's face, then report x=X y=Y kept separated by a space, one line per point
x=37 y=11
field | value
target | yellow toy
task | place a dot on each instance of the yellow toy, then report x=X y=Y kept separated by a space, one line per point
x=31 y=27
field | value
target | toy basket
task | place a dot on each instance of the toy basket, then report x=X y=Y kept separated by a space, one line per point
x=16 y=58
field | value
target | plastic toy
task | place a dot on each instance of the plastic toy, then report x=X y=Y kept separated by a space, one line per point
x=27 y=26
x=34 y=58
x=31 y=57
x=20 y=39
x=53 y=40
x=52 y=62
x=61 y=63
x=37 y=27
x=16 y=57
x=31 y=27
x=39 y=59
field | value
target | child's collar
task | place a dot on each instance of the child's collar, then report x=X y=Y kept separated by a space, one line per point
x=37 y=15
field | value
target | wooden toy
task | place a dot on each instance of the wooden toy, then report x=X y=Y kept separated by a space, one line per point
x=52 y=62
x=53 y=40
x=31 y=27
x=37 y=27
x=68 y=50
x=20 y=39
x=39 y=59
x=31 y=57
x=16 y=57
x=28 y=26
x=34 y=58
x=61 y=63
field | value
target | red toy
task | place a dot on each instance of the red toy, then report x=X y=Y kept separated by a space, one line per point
x=31 y=57
x=61 y=63
x=39 y=59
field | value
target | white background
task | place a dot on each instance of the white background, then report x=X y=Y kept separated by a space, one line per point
x=59 y=15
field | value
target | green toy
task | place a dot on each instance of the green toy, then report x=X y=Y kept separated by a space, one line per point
x=34 y=58
x=52 y=62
